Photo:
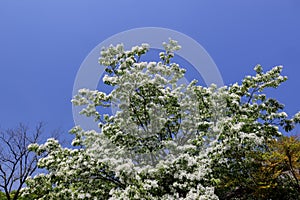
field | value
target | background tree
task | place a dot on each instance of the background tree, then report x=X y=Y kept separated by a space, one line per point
x=278 y=175
x=16 y=161
x=2 y=195
x=272 y=173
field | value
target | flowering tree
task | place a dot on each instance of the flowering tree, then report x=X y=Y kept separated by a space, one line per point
x=166 y=140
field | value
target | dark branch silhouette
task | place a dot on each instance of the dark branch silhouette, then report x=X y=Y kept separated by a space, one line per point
x=16 y=161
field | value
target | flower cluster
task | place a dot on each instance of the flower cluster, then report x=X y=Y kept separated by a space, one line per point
x=167 y=140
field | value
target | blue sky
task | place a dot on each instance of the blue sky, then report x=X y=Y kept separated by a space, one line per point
x=43 y=43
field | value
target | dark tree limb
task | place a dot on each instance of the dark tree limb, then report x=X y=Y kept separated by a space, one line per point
x=16 y=161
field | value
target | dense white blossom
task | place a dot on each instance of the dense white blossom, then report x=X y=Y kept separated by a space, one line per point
x=167 y=140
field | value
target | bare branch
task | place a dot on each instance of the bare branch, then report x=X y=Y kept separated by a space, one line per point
x=16 y=161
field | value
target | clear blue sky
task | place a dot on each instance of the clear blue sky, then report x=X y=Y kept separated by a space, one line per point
x=42 y=44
